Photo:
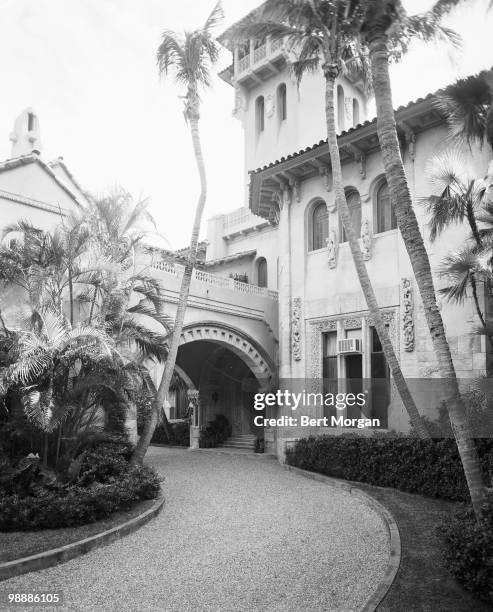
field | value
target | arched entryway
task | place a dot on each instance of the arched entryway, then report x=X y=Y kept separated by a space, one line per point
x=227 y=368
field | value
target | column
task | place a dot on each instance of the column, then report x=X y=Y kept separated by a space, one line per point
x=194 y=407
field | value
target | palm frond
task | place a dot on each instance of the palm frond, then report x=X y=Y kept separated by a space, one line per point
x=465 y=104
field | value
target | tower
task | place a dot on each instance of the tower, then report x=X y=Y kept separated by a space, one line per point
x=26 y=136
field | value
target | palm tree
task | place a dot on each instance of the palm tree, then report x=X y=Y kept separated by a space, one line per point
x=386 y=28
x=321 y=37
x=41 y=355
x=459 y=199
x=191 y=58
x=45 y=264
x=468 y=106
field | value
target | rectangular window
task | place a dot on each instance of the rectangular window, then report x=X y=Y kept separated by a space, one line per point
x=380 y=380
x=329 y=368
x=30 y=122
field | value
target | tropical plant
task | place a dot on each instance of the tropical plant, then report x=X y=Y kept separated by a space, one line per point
x=43 y=356
x=386 y=28
x=459 y=199
x=321 y=37
x=191 y=58
x=45 y=264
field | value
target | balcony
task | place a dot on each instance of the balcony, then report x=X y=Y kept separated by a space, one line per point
x=240 y=222
x=263 y=61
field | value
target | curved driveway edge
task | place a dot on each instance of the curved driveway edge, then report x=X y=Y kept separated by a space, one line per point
x=75 y=549
x=395 y=540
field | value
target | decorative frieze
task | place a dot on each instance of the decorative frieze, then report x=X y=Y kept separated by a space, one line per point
x=332 y=248
x=352 y=323
x=316 y=328
x=366 y=239
x=407 y=315
x=296 y=329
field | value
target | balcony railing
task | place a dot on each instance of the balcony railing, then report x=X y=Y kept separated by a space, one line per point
x=244 y=63
x=258 y=55
x=222 y=282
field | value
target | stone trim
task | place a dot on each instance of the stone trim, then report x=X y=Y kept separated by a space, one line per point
x=76 y=549
x=315 y=329
x=234 y=340
x=407 y=301
x=296 y=327
x=390 y=523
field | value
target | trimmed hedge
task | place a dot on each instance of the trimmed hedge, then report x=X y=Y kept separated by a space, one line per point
x=106 y=483
x=427 y=467
x=469 y=550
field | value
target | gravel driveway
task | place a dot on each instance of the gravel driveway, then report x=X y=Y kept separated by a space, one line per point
x=237 y=533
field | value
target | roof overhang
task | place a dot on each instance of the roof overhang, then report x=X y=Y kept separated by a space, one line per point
x=269 y=184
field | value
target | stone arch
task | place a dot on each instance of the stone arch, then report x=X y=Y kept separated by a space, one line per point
x=239 y=343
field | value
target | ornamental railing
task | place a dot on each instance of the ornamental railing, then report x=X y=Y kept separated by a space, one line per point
x=170 y=267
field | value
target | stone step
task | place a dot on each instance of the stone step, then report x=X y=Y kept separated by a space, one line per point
x=239 y=444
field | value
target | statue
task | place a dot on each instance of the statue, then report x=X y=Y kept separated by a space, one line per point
x=366 y=239
x=332 y=246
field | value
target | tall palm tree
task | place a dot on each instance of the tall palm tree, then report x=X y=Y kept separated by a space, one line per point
x=387 y=29
x=191 y=57
x=321 y=38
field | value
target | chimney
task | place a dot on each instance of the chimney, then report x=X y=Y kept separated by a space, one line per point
x=25 y=137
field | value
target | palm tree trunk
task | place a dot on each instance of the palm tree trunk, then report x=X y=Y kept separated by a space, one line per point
x=71 y=295
x=476 y=300
x=150 y=425
x=364 y=279
x=408 y=226
x=471 y=218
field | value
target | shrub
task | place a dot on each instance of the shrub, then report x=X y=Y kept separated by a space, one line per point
x=469 y=550
x=181 y=434
x=77 y=505
x=427 y=467
x=105 y=482
x=216 y=432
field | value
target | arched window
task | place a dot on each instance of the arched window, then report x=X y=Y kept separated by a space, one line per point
x=340 y=108
x=320 y=226
x=355 y=112
x=259 y=114
x=281 y=102
x=385 y=214
x=354 y=205
x=262 y=272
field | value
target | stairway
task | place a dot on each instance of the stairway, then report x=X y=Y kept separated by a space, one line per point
x=241 y=441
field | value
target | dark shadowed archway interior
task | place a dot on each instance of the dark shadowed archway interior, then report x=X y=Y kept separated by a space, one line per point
x=225 y=382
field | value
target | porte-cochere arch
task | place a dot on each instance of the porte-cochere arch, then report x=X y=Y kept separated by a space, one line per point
x=238 y=342
x=227 y=368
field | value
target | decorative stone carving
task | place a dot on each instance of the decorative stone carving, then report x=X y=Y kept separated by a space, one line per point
x=388 y=319
x=316 y=328
x=270 y=106
x=296 y=326
x=407 y=315
x=352 y=323
x=366 y=239
x=241 y=102
x=193 y=406
x=333 y=247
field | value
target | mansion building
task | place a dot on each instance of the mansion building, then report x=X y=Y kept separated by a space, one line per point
x=275 y=301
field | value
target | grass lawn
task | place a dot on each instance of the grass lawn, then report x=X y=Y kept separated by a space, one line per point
x=423 y=582
x=18 y=544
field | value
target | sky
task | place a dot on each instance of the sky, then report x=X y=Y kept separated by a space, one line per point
x=88 y=69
